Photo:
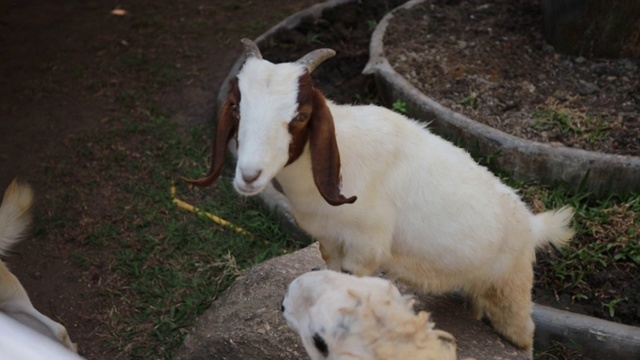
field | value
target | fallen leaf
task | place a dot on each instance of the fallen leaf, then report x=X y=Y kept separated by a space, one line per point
x=119 y=12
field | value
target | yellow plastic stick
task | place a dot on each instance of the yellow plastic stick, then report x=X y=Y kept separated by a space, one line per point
x=215 y=219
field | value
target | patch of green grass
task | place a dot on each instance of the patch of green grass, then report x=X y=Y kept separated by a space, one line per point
x=611 y=306
x=313 y=38
x=559 y=351
x=470 y=101
x=171 y=264
x=178 y=261
x=157 y=72
x=593 y=128
x=400 y=107
x=371 y=25
x=81 y=260
x=100 y=234
x=607 y=239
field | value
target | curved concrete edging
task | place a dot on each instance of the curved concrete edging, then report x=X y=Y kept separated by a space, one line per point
x=598 y=338
x=602 y=339
x=524 y=159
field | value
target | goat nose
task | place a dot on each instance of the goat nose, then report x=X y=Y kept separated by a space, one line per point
x=250 y=176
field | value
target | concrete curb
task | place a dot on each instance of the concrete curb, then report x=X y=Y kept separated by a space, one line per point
x=524 y=159
x=596 y=338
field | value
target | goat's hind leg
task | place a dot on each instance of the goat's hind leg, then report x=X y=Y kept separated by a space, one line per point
x=508 y=306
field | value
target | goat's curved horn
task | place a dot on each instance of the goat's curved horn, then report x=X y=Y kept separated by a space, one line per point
x=251 y=50
x=315 y=58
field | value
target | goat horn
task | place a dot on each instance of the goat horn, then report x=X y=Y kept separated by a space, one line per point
x=251 y=49
x=315 y=58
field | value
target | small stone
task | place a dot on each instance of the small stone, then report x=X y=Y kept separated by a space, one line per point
x=586 y=88
x=629 y=65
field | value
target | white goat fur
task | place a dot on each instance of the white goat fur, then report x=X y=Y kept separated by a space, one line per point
x=426 y=212
x=340 y=316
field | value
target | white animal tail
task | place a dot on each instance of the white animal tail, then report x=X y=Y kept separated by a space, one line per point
x=14 y=214
x=552 y=227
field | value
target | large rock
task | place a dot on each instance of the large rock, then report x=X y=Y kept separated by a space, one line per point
x=245 y=323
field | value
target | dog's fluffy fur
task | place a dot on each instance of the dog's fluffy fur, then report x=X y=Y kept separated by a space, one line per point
x=340 y=316
x=15 y=218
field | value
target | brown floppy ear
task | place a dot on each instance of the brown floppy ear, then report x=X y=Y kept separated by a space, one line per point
x=227 y=127
x=325 y=157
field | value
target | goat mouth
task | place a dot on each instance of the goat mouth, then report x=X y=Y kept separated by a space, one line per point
x=246 y=189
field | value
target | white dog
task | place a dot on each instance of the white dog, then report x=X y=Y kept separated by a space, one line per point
x=340 y=316
x=14 y=301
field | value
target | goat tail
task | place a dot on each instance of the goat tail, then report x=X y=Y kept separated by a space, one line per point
x=15 y=215
x=554 y=227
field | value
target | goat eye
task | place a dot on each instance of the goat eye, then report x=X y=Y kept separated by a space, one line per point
x=301 y=117
x=234 y=110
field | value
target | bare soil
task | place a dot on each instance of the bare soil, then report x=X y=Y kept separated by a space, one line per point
x=489 y=61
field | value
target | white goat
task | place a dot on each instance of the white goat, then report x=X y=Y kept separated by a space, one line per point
x=14 y=301
x=426 y=213
x=340 y=316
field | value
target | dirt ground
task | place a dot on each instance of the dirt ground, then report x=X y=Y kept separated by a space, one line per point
x=489 y=61
x=68 y=68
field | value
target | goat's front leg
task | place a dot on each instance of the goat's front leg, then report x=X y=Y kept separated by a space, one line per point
x=332 y=253
x=358 y=252
x=364 y=253
x=360 y=262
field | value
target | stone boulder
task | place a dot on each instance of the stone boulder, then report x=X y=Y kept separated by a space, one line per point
x=246 y=323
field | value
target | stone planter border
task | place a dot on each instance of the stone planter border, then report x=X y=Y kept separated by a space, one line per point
x=524 y=159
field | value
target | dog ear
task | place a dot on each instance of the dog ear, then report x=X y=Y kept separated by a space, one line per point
x=226 y=128
x=325 y=156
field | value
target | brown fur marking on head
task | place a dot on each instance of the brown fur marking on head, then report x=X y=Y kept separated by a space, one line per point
x=299 y=126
